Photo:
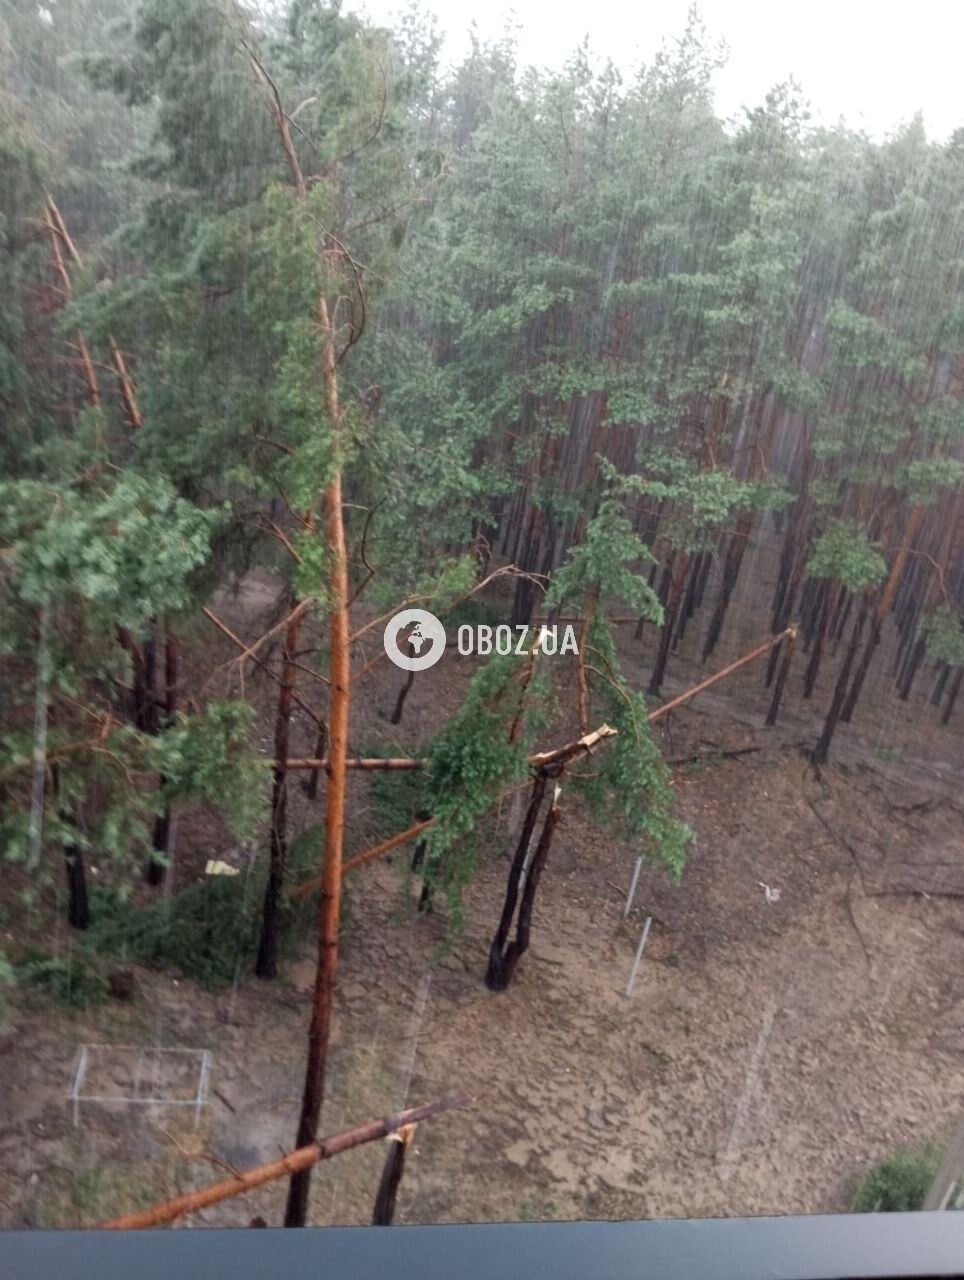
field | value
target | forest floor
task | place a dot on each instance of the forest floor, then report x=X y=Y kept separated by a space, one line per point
x=769 y=1051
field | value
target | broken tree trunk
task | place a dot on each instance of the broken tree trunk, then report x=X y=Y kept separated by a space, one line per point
x=398 y=1144
x=503 y=965
x=292 y=1162
x=568 y=752
x=494 y=973
x=758 y=652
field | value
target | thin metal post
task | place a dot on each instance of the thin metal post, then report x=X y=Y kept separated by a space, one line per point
x=632 y=887
x=202 y=1088
x=639 y=955
x=79 y=1073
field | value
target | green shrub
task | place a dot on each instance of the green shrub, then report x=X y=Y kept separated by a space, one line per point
x=208 y=931
x=77 y=980
x=898 y=1183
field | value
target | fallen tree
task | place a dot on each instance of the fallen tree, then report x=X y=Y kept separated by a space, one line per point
x=292 y=1162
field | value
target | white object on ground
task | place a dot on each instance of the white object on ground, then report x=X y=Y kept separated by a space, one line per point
x=771 y=895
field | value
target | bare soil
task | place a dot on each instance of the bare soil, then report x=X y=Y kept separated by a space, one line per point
x=770 y=1050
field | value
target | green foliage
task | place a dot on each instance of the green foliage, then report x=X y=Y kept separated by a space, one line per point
x=77 y=980
x=845 y=554
x=204 y=757
x=924 y=479
x=898 y=1183
x=208 y=932
x=124 y=555
x=943 y=632
x=628 y=788
x=475 y=612
x=602 y=565
x=471 y=762
x=398 y=795
x=703 y=501
x=208 y=757
x=538 y=281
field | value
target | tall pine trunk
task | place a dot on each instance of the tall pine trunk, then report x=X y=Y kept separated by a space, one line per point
x=296 y=1210
x=163 y=824
x=78 y=905
x=884 y=606
x=822 y=750
x=678 y=579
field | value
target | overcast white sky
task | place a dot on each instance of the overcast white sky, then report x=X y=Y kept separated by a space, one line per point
x=874 y=62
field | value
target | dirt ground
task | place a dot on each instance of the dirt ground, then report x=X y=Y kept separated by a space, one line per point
x=769 y=1051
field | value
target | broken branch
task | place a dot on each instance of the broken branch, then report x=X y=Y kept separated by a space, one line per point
x=291 y=1162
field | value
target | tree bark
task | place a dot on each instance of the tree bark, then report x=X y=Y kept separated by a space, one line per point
x=911 y=666
x=266 y=965
x=163 y=824
x=502 y=964
x=952 y=695
x=396 y=716
x=678 y=577
x=494 y=972
x=827 y=605
x=321 y=746
x=822 y=749
x=398 y=1143
x=78 y=906
x=788 y=646
x=884 y=606
x=296 y=1211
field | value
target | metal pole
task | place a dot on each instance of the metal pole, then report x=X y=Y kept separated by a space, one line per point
x=632 y=887
x=639 y=955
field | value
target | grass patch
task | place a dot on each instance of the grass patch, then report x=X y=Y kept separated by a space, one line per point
x=83 y=1195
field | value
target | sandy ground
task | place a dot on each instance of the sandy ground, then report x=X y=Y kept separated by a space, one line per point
x=769 y=1051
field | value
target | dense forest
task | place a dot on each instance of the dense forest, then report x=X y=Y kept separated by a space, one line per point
x=285 y=298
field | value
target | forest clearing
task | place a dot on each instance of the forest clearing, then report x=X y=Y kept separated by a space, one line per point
x=300 y=331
